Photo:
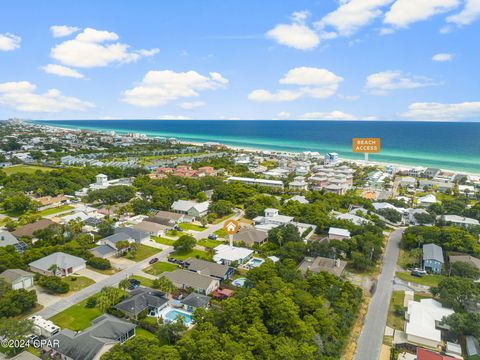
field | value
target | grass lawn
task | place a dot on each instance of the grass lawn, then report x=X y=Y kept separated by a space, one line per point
x=104 y=272
x=29 y=169
x=209 y=243
x=142 y=333
x=76 y=317
x=427 y=280
x=54 y=210
x=220 y=233
x=144 y=251
x=143 y=280
x=160 y=267
x=420 y=296
x=219 y=220
x=393 y=320
x=189 y=226
x=405 y=259
x=192 y=253
x=78 y=284
x=163 y=241
x=173 y=233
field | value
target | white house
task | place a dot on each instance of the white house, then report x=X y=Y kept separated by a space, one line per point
x=459 y=220
x=338 y=234
x=191 y=208
x=66 y=264
x=227 y=254
x=422 y=318
x=427 y=200
x=18 y=278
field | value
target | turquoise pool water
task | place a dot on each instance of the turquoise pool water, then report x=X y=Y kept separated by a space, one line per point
x=173 y=314
x=240 y=282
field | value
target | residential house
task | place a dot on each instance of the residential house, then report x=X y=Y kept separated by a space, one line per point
x=104 y=251
x=29 y=229
x=423 y=354
x=66 y=264
x=299 y=198
x=433 y=258
x=318 y=264
x=228 y=255
x=412 y=220
x=18 y=278
x=338 y=234
x=456 y=220
x=407 y=181
x=250 y=236
x=191 y=208
x=167 y=218
x=136 y=235
x=219 y=271
x=298 y=184
x=416 y=171
x=422 y=327
x=355 y=219
x=427 y=200
x=7 y=239
x=184 y=279
x=151 y=228
x=472 y=348
x=261 y=182
x=91 y=343
x=194 y=301
x=273 y=219
x=431 y=172
x=143 y=299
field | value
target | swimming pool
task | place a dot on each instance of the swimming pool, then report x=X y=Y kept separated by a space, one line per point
x=172 y=315
x=240 y=282
x=254 y=262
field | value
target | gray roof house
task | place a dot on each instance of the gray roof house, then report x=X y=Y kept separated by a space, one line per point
x=166 y=218
x=138 y=236
x=91 y=343
x=433 y=258
x=219 y=271
x=194 y=301
x=121 y=234
x=142 y=299
x=472 y=347
x=18 y=278
x=184 y=279
x=151 y=228
x=103 y=251
x=67 y=264
x=318 y=264
x=250 y=236
x=7 y=238
x=191 y=208
x=465 y=258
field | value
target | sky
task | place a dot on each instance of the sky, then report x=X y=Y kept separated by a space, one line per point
x=214 y=59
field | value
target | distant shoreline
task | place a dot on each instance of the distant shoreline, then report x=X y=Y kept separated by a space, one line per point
x=249 y=149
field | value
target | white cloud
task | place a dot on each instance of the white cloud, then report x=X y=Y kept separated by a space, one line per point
x=297 y=34
x=332 y=115
x=161 y=87
x=21 y=96
x=352 y=15
x=192 y=105
x=405 y=12
x=173 y=117
x=382 y=82
x=61 y=70
x=63 y=30
x=93 y=48
x=442 y=57
x=9 y=42
x=262 y=95
x=313 y=82
x=468 y=15
x=283 y=115
x=442 y=111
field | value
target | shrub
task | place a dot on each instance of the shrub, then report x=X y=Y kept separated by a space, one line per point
x=91 y=302
x=99 y=263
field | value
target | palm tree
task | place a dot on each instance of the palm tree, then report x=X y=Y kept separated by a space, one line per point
x=124 y=284
x=164 y=284
x=54 y=269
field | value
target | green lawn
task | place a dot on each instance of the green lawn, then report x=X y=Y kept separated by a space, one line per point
x=209 y=243
x=405 y=259
x=163 y=241
x=220 y=233
x=160 y=267
x=144 y=251
x=427 y=280
x=29 y=169
x=393 y=320
x=54 y=210
x=142 y=333
x=189 y=226
x=76 y=317
x=104 y=272
x=192 y=253
x=143 y=280
x=173 y=233
x=78 y=284
x=420 y=296
x=219 y=220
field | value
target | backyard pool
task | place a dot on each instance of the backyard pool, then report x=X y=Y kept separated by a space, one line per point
x=240 y=282
x=171 y=314
x=254 y=262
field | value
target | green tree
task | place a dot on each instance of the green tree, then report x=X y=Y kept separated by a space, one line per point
x=464 y=269
x=185 y=243
x=457 y=292
x=14 y=329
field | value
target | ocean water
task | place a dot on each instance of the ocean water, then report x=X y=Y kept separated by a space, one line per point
x=454 y=145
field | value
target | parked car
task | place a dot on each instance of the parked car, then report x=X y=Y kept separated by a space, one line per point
x=420 y=271
x=212 y=237
x=134 y=283
x=153 y=261
x=178 y=228
x=416 y=274
x=173 y=260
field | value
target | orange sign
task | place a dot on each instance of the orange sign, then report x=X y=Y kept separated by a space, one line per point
x=366 y=145
x=231 y=227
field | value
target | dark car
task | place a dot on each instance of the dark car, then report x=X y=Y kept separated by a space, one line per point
x=153 y=261
x=134 y=283
x=178 y=228
x=416 y=274
x=172 y=260
x=212 y=237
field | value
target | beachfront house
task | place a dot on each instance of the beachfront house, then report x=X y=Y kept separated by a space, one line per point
x=432 y=258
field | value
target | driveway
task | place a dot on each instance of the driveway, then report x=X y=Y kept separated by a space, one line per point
x=66 y=302
x=212 y=228
x=45 y=299
x=370 y=341
x=95 y=276
x=121 y=263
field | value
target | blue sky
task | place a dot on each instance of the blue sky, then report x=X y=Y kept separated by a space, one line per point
x=215 y=59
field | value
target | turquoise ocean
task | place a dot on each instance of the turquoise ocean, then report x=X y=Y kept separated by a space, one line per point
x=447 y=145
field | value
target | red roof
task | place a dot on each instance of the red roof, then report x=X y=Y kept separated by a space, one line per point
x=423 y=354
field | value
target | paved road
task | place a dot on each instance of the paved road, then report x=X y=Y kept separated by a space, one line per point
x=212 y=228
x=371 y=337
x=85 y=293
